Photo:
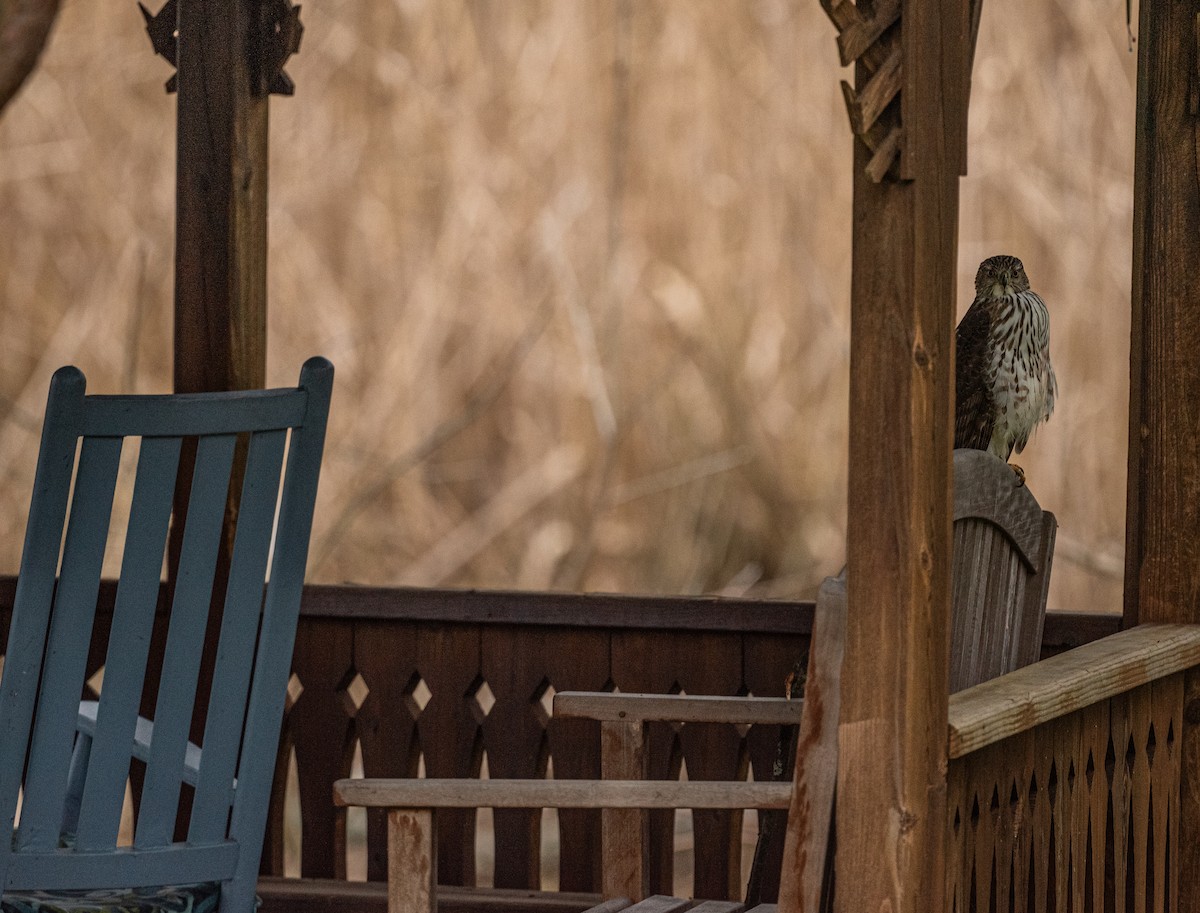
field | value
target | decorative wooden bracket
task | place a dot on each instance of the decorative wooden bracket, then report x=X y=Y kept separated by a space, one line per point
x=280 y=35
x=277 y=38
x=870 y=35
x=161 y=28
x=871 y=38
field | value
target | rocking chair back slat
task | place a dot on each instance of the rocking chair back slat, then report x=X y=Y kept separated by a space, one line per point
x=72 y=810
x=189 y=617
x=129 y=644
x=239 y=623
x=35 y=585
x=281 y=610
x=69 y=639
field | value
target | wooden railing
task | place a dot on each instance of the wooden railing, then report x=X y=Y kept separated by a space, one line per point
x=448 y=678
x=443 y=678
x=1064 y=780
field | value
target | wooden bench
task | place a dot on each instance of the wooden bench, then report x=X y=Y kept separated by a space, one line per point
x=1004 y=543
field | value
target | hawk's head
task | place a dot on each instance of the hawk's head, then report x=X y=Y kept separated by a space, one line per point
x=999 y=276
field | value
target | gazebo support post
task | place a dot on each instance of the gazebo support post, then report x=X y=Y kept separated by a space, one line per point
x=221 y=202
x=1162 y=563
x=220 y=237
x=221 y=210
x=891 y=794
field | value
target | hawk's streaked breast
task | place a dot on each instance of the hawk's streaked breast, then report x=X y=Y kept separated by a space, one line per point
x=1004 y=384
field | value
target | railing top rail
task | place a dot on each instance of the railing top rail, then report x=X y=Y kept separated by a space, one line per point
x=1063 y=684
x=1064 y=630
x=588 y=610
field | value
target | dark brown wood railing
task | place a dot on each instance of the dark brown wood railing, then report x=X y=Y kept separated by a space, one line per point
x=451 y=676
x=443 y=678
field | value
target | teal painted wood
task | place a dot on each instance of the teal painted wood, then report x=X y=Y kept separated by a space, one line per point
x=84 y=790
x=235 y=649
x=128 y=644
x=278 y=635
x=35 y=587
x=69 y=870
x=181 y=662
x=184 y=414
x=67 y=650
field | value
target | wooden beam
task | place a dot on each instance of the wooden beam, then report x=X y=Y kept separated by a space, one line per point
x=220 y=242
x=1162 y=544
x=221 y=201
x=412 y=862
x=220 y=218
x=442 y=793
x=807 y=843
x=624 y=832
x=1063 y=684
x=1162 y=570
x=329 y=895
x=892 y=745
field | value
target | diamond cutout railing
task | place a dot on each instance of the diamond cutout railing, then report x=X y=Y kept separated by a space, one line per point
x=543 y=701
x=96 y=682
x=354 y=692
x=482 y=699
x=416 y=695
x=295 y=688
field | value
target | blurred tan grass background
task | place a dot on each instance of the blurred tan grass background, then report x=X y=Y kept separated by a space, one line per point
x=583 y=267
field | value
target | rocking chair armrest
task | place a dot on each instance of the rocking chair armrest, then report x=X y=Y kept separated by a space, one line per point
x=1063 y=684
x=143 y=735
x=610 y=706
x=467 y=793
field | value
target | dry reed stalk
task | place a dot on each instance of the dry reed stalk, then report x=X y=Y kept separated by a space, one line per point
x=667 y=181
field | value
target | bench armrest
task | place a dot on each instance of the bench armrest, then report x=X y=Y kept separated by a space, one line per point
x=466 y=793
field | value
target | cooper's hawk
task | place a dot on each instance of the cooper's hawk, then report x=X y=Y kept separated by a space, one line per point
x=1004 y=383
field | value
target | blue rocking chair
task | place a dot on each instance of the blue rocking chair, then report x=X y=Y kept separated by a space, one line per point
x=65 y=764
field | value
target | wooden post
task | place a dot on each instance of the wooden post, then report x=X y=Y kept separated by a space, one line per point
x=220 y=240
x=221 y=201
x=1162 y=552
x=220 y=214
x=412 y=863
x=1162 y=564
x=891 y=792
x=624 y=830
